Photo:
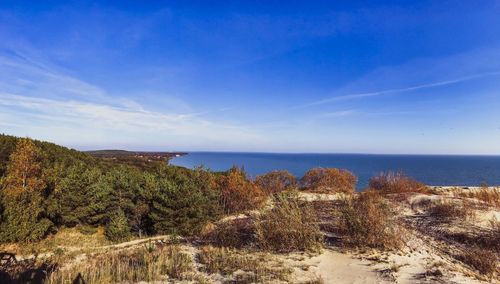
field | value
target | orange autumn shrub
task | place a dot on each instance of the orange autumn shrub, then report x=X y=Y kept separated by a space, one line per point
x=395 y=182
x=329 y=180
x=276 y=181
x=237 y=193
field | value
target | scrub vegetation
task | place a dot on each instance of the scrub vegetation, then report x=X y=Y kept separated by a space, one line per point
x=75 y=217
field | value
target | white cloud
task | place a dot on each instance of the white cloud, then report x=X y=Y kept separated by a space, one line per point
x=418 y=74
x=37 y=101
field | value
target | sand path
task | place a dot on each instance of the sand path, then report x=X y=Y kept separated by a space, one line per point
x=335 y=267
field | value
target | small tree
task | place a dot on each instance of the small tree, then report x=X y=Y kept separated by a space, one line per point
x=22 y=194
x=117 y=228
x=276 y=181
x=329 y=180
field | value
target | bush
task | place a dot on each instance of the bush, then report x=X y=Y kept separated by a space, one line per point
x=238 y=194
x=396 y=182
x=235 y=233
x=117 y=228
x=329 y=180
x=367 y=221
x=451 y=210
x=289 y=226
x=276 y=181
x=482 y=260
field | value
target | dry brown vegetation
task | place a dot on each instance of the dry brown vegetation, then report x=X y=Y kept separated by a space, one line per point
x=143 y=264
x=490 y=196
x=367 y=220
x=450 y=210
x=290 y=225
x=482 y=260
x=329 y=180
x=253 y=269
x=239 y=194
x=396 y=182
x=276 y=182
x=236 y=233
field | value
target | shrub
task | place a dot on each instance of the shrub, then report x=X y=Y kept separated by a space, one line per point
x=238 y=194
x=449 y=210
x=329 y=180
x=367 y=220
x=117 y=228
x=289 y=226
x=482 y=260
x=395 y=182
x=235 y=233
x=276 y=181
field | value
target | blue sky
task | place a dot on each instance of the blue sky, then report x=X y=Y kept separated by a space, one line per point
x=373 y=77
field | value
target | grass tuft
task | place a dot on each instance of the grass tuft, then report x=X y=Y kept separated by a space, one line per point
x=449 y=210
x=291 y=225
x=137 y=265
x=241 y=266
x=368 y=221
x=484 y=261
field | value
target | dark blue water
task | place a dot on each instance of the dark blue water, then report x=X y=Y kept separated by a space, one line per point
x=432 y=170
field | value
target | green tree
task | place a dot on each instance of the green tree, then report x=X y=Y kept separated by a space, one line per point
x=23 y=195
x=80 y=197
x=184 y=204
x=117 y=228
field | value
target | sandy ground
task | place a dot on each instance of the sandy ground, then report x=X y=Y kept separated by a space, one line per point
x=336 y=267
x=422 y=261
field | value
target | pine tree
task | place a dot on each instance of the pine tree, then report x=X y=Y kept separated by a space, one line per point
x=80 y=197
x=117 y=228
x=23 y=194
x=184 y=207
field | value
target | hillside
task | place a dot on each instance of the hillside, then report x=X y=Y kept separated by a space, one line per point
x=69 y=217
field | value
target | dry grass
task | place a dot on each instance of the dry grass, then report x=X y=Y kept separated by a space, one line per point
x=490 y=196
x=291 y=225
x=396 y=182
x=237 y=233
x=67 y=238
x=449 y=210
x=484 y=261
x=241 y=266
x=143 y=264
x=368 y=221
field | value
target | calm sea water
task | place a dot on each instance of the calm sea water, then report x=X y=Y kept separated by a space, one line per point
x=430 y=169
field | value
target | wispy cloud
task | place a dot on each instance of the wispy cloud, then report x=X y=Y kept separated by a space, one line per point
x=398 y=90
x=353 y=112
x=40 y=101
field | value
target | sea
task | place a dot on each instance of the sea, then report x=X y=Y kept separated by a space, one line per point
x=437 y=170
